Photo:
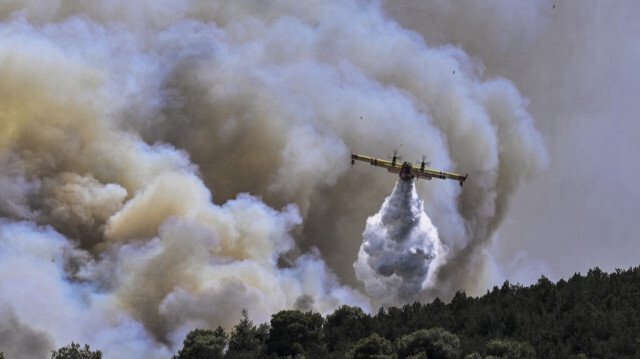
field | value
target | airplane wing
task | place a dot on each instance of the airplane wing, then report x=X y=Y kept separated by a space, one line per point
x=416 y=171
x=428 y=173
x=389 y=165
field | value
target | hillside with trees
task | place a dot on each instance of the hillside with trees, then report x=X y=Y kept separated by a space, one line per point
x=587 y=316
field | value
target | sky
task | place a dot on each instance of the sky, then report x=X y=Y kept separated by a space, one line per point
x=166 y=164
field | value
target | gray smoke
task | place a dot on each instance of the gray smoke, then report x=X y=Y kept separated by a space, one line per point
x=577 y=64
x=166 y=164
x=401 y=250
x=18 y=340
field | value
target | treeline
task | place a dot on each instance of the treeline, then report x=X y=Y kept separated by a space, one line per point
x=592 y=316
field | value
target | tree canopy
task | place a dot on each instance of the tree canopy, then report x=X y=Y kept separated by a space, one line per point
x=435 y=343
x=75 y=351
x=295 y=333
x=596 y=315
x=371 y=347
x=203 y=343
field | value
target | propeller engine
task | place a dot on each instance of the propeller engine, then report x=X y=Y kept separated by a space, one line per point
x=395 y=157
x=424 y=163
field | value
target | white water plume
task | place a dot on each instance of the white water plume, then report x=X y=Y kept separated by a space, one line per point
x=401 y=250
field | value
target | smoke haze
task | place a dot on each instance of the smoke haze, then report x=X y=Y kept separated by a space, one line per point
x=577 y=65
x=166 y=164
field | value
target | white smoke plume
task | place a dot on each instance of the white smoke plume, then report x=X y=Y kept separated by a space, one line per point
x=166 y=164
x=401 y=250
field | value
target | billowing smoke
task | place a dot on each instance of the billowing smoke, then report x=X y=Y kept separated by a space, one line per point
x=166 y=164
x=18 y=340
x=577 y=63
x=401 y=249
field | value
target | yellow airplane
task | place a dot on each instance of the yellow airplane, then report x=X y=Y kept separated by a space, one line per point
x=407 y=171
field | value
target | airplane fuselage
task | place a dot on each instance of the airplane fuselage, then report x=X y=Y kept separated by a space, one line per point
x=406 y=172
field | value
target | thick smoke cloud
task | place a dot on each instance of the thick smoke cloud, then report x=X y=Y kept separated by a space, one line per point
x=401 y=250
x=19 y=340
x=165 y=165
x=577 y=62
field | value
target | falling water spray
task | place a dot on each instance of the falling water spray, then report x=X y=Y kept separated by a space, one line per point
x=401 y=250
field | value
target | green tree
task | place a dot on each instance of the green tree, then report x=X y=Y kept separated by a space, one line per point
x=74 y=351
x=509 y=349
x=372 y=347
x=344 y=327
x=436 y=343
x=295 y=333
x=247 y=340
x=203 y=344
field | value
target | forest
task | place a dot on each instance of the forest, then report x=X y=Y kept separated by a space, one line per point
x=596 y=315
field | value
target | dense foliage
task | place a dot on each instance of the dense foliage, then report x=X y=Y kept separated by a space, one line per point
x=296 y=334
x=592 y=316
x=75 y=351
x=373 y=346
x=203 y=343
x=597 y=315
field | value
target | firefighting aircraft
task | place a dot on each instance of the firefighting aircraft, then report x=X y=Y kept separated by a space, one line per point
x=407 y=170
